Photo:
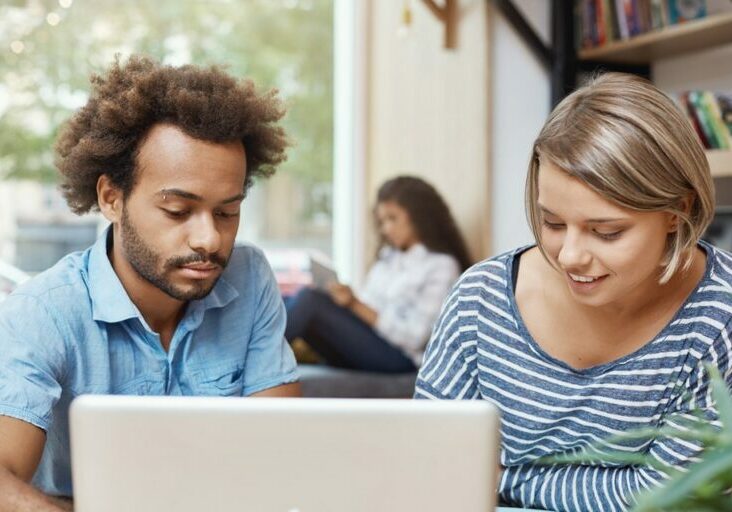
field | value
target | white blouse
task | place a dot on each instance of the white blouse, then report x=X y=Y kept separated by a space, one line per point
x=406 y=289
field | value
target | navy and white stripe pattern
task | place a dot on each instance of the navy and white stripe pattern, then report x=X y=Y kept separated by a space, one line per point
x=480 y=349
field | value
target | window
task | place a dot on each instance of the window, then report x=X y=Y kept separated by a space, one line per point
x=49 y=48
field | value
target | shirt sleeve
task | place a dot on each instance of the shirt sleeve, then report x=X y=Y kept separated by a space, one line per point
x=32 y=360
x=449 y=370
x=407 y=321
x=595 y=488
x=270 y=361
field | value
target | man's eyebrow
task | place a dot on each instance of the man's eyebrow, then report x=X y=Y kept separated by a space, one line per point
x=599 y=220
x=194 y=197
x=233 y=199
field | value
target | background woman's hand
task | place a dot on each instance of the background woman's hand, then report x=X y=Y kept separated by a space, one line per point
x=341 y=294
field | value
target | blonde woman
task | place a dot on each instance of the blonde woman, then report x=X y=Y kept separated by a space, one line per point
x=607 y=323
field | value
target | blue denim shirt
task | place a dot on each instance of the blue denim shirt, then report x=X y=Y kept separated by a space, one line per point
x=74 y=330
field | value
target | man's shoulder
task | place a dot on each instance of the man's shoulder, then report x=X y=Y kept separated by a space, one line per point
x=50 y=306
x=65 y=282
x=247 y=266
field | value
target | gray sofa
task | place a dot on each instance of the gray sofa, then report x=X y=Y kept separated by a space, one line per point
x=320 y=381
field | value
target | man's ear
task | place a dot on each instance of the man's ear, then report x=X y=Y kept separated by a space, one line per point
x=110 y=199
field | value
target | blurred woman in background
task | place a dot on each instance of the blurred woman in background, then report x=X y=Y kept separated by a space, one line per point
x=385 y=326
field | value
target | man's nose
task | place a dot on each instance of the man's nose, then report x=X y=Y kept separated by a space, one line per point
x=204 y=236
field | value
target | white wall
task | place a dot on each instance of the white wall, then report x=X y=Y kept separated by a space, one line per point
x=710 y=69
x=521 y=100
x=426 y=110
x=429 y=110
x=521 y=96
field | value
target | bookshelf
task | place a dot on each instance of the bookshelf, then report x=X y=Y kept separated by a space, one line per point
x=669 y=41
x=720 y=162
x=632 y=55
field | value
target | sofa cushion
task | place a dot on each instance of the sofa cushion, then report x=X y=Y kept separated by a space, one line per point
x=327 y=382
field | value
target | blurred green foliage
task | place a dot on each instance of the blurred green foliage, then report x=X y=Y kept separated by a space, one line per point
x=48 y=52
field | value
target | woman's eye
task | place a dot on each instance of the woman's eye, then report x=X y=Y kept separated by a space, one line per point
x=228 y=215
x=609 y=236
x=553 y=225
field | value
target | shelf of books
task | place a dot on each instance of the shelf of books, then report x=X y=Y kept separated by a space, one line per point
x=710 y=113
x=720 y=162
x=639 y=36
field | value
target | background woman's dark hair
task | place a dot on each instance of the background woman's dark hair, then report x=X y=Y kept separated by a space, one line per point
x=429 y=214
x=206 y=103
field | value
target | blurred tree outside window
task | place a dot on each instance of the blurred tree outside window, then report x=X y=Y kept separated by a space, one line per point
x=49 y=48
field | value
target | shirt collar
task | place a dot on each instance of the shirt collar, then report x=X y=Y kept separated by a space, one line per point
x=110 y=302
x=415 y=251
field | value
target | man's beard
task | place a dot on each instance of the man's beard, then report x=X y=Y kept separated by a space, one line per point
x=146 y=262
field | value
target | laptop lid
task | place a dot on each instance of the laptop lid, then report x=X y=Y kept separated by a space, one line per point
x=187 y=454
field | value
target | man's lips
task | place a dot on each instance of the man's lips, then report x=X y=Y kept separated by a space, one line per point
x=201 y=266
x=199 y=270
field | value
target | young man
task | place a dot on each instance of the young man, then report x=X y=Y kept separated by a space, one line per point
x=162 y=304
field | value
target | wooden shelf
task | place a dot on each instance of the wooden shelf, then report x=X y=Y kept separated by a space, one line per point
x=666 y=42
x=720 y=162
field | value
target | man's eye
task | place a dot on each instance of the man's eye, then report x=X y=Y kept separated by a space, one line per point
x=228 y=215
x=176 y=214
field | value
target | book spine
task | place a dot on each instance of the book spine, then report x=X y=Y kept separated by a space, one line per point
x=715 y=115
x=656 y=14
x=664 y=13
x=631 y=14
x=611 y=23
x=600 y=23
x=622 y=20
x=725 y=105
x=704 y=120
x=591 y=23
x=579 y=28
x=690 y=112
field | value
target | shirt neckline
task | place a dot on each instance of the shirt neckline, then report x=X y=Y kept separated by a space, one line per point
x=601 y=368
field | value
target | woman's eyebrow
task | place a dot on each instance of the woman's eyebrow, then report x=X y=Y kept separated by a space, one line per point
x=598 y=220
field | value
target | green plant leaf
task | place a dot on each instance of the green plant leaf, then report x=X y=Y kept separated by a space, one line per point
x=723 y=401
x=714 y=464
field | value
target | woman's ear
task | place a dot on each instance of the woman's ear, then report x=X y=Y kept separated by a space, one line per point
x=684 y=206
x=109 y=199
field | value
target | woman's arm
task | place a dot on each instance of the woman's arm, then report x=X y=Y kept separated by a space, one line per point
x=344 y=297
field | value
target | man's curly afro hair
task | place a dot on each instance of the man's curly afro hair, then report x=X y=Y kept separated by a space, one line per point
x=206 y=103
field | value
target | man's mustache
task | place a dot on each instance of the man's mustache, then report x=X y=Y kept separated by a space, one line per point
x=180 y=261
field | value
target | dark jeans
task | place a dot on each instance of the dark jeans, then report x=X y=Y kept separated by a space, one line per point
x=340 y=337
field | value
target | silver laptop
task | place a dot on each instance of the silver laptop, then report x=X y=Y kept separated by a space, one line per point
x=186 y=454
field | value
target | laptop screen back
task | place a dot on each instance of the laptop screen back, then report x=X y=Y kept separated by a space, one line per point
x=286 y=455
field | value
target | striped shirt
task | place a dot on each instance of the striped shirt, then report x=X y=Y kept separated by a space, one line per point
x=481 y=349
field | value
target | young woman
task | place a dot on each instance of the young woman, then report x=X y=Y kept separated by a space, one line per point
x=385 y=327
x=607 y=323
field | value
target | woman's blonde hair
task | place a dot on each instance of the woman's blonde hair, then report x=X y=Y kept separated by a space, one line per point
x=629 y=143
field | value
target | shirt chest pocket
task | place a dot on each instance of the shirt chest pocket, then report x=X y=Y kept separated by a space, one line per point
x=220 y=381
x=142 y=386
